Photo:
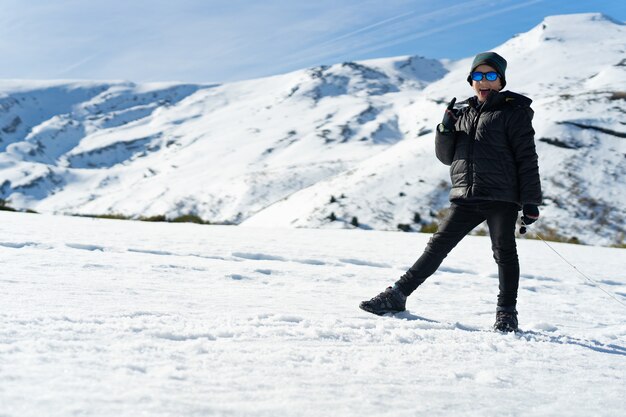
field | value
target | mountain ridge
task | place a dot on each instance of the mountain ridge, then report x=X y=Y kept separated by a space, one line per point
x=274 y=151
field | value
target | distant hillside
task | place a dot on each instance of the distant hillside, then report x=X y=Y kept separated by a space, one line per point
x=347 y=145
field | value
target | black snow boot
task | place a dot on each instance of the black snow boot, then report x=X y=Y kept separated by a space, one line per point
x=392 y=300
x=506 y=319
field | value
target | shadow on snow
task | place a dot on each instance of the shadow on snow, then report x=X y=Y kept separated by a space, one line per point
x=528 y=335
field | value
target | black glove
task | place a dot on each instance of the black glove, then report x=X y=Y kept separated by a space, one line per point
x=530 y=214
x=450 y=116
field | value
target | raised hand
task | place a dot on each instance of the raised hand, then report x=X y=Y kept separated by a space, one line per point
x=450 y=116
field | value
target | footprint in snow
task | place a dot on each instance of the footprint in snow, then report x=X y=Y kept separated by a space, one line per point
x=85 y=247
x=310 y=261
x=150 y=252
x=258 y=256
x=237 y=277
x=364 y=263
x=458 y=271
x=18 y=245
x=538 y=278
x=610 y=282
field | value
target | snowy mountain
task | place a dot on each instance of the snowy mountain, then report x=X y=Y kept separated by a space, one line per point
x=351 y=142
x=110 y=318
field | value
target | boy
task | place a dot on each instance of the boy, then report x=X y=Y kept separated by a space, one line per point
x=489 y=145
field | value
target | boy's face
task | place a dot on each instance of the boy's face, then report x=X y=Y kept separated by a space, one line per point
x=484 y=86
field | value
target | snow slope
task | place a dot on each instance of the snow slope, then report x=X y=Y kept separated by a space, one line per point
x=579 y=123
x=273 y=151
x=221 y=152
x=108 y=318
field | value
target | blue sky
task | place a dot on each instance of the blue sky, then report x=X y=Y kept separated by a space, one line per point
x=227 y=40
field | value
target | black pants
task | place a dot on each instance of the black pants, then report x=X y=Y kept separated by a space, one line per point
x=501 y=218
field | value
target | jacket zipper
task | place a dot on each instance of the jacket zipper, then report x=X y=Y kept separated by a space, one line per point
x=470 y=164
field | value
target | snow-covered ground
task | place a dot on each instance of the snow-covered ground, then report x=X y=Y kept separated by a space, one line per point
x=120 y=318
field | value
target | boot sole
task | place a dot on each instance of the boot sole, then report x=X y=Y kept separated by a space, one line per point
x=507 y=330
x=380 y=313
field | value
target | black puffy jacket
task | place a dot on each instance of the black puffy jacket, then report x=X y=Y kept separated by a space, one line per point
x=492 y=152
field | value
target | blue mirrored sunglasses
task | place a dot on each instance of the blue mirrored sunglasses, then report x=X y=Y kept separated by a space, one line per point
x=489 y=76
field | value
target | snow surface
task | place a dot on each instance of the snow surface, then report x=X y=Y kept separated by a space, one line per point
x=110 y=318
x=273 y=151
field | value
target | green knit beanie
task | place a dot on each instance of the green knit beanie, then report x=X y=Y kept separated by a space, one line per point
x=493 y=60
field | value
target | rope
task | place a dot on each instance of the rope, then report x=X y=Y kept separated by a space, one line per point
x=594 y=283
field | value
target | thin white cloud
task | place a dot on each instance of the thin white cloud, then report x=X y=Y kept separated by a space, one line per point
x=73 y=67
x=318 y=37
x=385 y=36
x=367 y=37
x=223 y=40
x=366 y=28
x=455 y=9
x=445 y=27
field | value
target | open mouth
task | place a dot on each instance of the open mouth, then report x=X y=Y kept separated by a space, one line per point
x=484 y=92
